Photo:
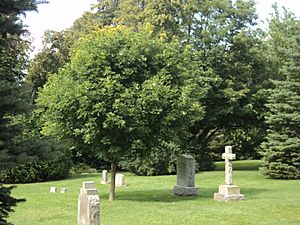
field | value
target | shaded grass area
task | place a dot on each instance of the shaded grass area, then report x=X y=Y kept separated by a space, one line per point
x=240 y=165
x=150 y=201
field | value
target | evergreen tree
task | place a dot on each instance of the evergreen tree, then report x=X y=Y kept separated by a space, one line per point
x=281 y=150
x=6 y=203
x=13 y=60
x=12 y=64
x=10 y=22
x=19 y=141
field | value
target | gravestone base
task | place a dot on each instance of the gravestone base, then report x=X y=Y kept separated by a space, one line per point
x=185 y=191
x=229 y=193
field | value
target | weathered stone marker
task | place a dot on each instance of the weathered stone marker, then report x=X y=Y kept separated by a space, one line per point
x=104 y=177
x=88 y=205
x=228 y=192
x=120 y=180
x=53 y=189
x=228 y=156
x=185 y=184
x=63 y=190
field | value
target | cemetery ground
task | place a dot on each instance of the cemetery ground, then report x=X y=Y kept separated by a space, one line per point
x=150 y=201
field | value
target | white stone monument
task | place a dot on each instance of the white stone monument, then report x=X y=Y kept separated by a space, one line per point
x=104 y=177
x=63 y=190
x=88 y=205
x=228 y=192
x=185 y=184
x=53 y=189
x=120 y=180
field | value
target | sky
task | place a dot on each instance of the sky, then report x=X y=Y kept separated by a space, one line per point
x=60 y=14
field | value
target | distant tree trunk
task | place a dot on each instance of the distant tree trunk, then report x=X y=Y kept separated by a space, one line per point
x=112 y=192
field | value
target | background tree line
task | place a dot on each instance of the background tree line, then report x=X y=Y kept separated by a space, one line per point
x=135 y=83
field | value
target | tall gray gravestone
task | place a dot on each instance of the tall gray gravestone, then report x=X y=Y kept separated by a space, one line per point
x=228 y=192
x=185 y=184
x=88 y=205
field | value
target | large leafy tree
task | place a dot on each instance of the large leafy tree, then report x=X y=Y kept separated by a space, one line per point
x=122 y=92
x=54 y=55
x=229 y=49
x=281 y=148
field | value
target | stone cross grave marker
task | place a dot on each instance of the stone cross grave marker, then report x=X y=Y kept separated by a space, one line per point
x=228 y=156
x=104 y=177
x=185 y=183
x=228 y=192
x=120 y=180
x=88 y=205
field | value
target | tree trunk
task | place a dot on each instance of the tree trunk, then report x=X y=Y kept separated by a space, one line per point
x=112 y=192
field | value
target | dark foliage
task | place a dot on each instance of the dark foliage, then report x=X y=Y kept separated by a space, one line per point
x=161 y=160
x=6 y=203
x=39 y=171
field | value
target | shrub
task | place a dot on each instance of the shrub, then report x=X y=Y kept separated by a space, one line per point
x=39 y=171
x=81 y=168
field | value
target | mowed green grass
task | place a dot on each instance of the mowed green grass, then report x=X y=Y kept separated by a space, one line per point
x=150 y=201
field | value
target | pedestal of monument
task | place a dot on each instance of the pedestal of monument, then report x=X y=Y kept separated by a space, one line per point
x=185 y=191
x=229 y=193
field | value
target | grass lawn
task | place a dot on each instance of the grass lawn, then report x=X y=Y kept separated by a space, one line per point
x=150 y=201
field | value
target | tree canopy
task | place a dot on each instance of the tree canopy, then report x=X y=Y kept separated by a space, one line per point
x=122 y=91
x=228 y=56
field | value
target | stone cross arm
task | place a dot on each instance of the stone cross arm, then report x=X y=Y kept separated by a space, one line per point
x=228 y=156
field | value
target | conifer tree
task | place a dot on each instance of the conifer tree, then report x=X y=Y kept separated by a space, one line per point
x=281 y=150
x=6 y=203
x=14 y=98
x=12 y=64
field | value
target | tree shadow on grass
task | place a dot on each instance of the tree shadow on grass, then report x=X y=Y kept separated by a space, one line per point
x=166 y=195
x=159 y=195
x=252 y=193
